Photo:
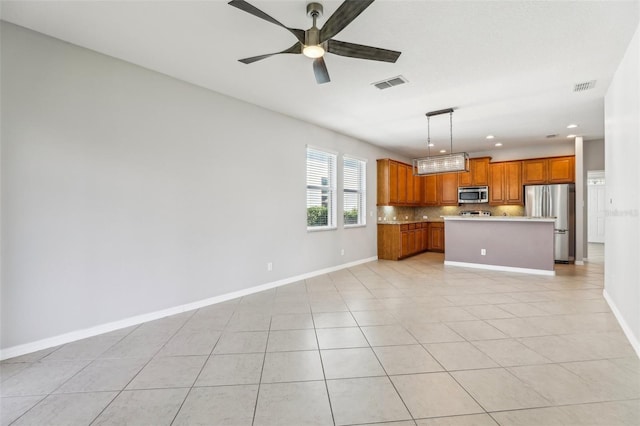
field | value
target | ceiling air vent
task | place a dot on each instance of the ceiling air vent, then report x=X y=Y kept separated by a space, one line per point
x=551 y=136
x=390 y=82
x=587 y=85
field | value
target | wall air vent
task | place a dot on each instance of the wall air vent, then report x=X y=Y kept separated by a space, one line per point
x=586 y=85
x=390 y=82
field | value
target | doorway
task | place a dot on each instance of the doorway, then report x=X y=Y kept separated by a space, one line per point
x=596 y=188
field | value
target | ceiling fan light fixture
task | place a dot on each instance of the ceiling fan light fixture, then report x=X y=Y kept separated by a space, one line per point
x=313 y=51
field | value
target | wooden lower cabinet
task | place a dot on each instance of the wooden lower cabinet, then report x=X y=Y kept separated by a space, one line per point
x=436 y=237
x=397 y=241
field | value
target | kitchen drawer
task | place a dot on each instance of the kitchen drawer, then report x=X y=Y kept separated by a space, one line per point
x=404 y=227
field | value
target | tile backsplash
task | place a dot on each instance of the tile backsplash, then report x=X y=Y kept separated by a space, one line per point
x=387 y=213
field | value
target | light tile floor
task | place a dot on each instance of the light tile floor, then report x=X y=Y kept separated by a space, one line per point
x=388 y=343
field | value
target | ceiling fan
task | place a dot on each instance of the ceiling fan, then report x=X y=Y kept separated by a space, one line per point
x=315 y=42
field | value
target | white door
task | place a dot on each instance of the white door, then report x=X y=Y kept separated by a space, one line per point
x=596 y=202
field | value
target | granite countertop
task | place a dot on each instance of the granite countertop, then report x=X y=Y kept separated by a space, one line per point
x=404 y=222
x=501 y=218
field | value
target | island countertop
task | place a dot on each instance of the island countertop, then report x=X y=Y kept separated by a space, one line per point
x=501 y=218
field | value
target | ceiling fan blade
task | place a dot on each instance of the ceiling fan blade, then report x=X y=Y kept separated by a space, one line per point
x=353 y=50
x=249 y=8
x=347 y=12
x=320 y=71
x=296 y=48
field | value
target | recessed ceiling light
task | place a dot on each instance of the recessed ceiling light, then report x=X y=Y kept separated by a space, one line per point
x=498 y=144
x=442 y=151
x=572 y=126
x=490 y=137
x=431 y=145
x=571 y=136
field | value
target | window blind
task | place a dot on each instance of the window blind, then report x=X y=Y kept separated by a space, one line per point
x=355 y=179
x=321 y=189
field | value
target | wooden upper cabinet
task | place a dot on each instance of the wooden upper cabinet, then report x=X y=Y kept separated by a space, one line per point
x=561 y=170
x=534 y=171
x=505 y=183
x=478 y=174
x=413 y=186
x=430 y=190
x=397 y=186
x=496 y=183
x=447 y=189
x=417 y=189
x=439 y=190
x=464 y=178
x=548 y=170
x=402 y=183
x=513 y=183
x=387 y=190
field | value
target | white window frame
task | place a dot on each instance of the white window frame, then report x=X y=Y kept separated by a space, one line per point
x=361 y=191
x=329 y=187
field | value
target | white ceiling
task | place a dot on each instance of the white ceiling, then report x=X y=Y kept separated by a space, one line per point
x=508 y=68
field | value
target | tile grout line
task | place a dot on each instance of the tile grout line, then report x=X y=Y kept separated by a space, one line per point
x=382 y=365
x=203 y=365
x=324 y=374
x=139 y=371
x=74 y=375
x=264 y=358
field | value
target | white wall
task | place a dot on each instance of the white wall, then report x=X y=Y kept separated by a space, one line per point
x=125 y=191
x=622 y=237
x=556 y=149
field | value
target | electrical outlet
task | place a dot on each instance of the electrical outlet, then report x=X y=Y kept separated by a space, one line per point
x=342 y=252
x=269 y=266
x=483 y=252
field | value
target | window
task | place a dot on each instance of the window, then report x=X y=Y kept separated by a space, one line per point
x=355 y=183
x=321 y=189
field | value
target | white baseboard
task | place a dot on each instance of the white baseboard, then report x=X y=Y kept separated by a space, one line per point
x=499 y=268
x=623 y=324
x=61 y=339
x=580 y=262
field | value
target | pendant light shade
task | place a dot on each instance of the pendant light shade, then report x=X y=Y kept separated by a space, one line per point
x=447 y=163
x=458 y=162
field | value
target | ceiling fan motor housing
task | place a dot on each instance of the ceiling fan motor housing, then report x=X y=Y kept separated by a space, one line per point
x=314 y=10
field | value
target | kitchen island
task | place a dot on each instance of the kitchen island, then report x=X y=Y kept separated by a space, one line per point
x=504 y=243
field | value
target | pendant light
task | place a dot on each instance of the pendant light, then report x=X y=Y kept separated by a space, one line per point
x=447 y=163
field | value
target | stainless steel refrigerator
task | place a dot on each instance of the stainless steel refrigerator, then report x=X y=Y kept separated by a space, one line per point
x=557 y=201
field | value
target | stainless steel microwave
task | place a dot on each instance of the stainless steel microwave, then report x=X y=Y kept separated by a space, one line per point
x=473 y=194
